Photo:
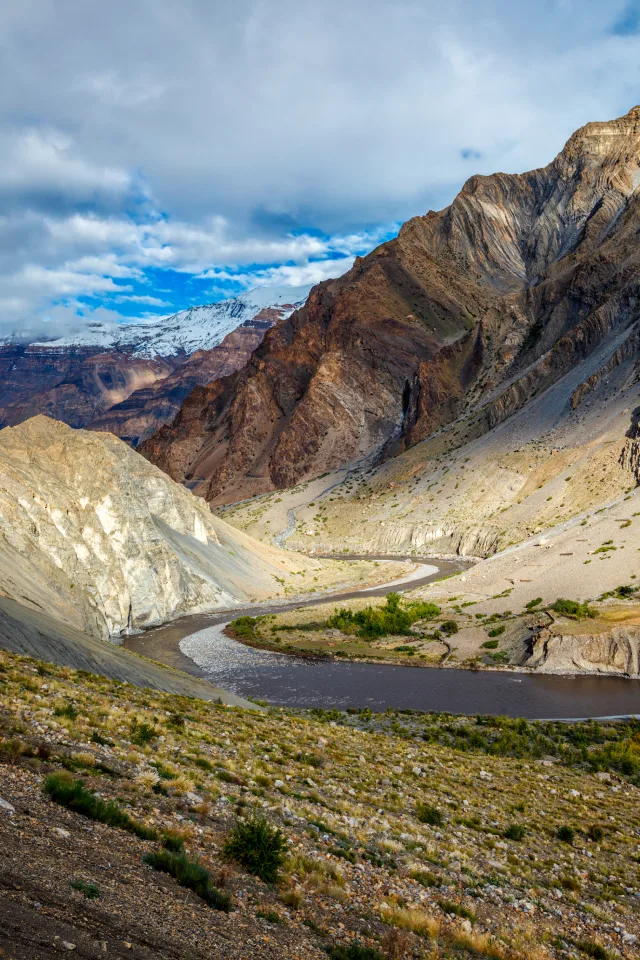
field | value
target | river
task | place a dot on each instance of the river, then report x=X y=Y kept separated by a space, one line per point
x=199 y=646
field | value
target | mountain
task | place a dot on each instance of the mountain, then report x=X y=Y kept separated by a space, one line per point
x=98 y=538
x=79 y=377
x=465 y=316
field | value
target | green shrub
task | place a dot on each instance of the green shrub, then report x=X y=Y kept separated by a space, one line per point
x=449 y=627
x=90 y=890
x=595 y=833
x=244 y=628
x=566 y=834
x=497 y=631
x=533 y=603
x=426 y=813
x=64 y=790
x=391 y=619
x=573 y=608
x=190 y=874
x=490 y=644
x=257 y=846
x=515 y=831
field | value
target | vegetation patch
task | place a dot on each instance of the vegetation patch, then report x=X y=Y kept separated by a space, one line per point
x=63 y=789
x=257 y=846
x=190 y=874
x=392 y=619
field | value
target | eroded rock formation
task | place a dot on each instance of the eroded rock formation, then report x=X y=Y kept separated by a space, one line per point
x=92 y=533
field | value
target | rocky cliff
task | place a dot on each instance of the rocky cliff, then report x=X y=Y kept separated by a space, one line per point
x=93 y=534
x=467 y=313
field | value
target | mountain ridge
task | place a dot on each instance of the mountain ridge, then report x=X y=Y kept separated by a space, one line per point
x=521 y=276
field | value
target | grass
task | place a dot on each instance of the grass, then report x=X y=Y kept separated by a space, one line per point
x=190 y=874
x=63 y=789
x=515 y=831
x=457 y=910
x=257 y=846
x=427 y=813
x=417 y=921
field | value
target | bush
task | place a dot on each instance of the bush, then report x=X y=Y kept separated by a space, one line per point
x=257 y=846
x=515 y=831
x=490 y=644
x=70 y=793
x=190 y=874
x=572 y=608
x=566 y=834
x=142 y=733
x=244 y=628
x=497 y=631
x=426 y=813
x=533 y=603
x=595 y=833
x=449 y=627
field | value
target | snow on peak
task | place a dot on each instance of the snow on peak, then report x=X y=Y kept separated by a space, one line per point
x=199 y=328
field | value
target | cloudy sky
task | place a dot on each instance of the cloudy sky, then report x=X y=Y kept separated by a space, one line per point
x=158 y=153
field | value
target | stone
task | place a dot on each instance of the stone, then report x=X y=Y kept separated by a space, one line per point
x=6 y=806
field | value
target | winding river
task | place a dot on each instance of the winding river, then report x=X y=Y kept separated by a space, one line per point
x=199 y=646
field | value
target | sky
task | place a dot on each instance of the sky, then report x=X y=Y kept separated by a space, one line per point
x=158 y=154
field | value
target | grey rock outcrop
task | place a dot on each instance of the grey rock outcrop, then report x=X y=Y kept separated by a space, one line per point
x=95 y=535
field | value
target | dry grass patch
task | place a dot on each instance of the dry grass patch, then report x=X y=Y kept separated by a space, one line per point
x=418 y=921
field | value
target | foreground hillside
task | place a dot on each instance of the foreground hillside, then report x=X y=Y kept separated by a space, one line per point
x=470 y=312
x=407 y=836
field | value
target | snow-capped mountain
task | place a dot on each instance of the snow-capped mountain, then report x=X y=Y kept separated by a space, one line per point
x=199 y=328
x=143 y=369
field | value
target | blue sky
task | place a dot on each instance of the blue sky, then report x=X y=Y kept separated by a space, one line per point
x=158 y=155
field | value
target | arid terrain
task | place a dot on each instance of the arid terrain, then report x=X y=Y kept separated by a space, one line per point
x=404 y=835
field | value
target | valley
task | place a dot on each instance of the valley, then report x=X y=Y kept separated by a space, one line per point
x=320 y=607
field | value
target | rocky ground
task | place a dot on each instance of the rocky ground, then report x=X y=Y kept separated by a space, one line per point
x=413 y=837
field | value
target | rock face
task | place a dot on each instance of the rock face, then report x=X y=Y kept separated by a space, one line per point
x=616 y=653
x=475 y=307
x=140 y=372
x=92 y=533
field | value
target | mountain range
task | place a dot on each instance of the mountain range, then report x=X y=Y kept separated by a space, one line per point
x=137 y=373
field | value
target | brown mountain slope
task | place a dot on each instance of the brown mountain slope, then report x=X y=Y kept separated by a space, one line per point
x=478 y=306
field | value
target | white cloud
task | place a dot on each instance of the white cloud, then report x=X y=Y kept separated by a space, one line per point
x=265 y=141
